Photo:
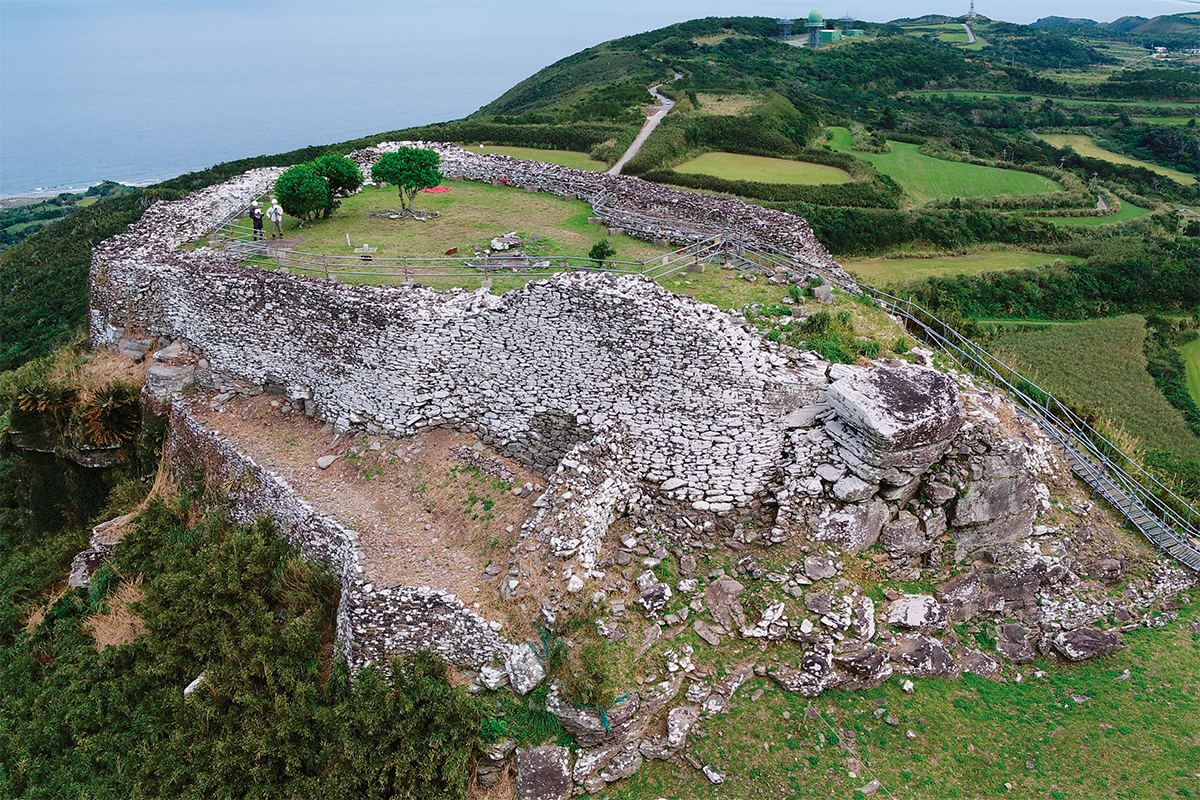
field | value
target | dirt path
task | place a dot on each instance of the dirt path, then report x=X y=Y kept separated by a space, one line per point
x=665 y=104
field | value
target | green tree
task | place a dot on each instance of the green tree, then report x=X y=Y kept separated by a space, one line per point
x=343 y=176
x=601 y=252
x=301 y=191
x=409 y=169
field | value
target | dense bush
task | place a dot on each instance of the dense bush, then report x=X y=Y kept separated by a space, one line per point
x=276 y=714
x=1120 y=276
x=302 y=192
x=342 y=177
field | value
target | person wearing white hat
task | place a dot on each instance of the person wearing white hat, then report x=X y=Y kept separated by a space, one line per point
x=275 y=214
x=256 y=217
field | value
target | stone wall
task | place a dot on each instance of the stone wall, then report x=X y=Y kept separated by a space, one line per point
x=373 y=622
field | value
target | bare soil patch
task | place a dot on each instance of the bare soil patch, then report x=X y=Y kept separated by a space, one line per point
x=436 y=509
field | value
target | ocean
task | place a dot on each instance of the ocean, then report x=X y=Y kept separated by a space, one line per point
x=141 y=90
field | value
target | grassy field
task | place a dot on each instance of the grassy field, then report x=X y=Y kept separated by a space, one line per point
x=566 y=158
x=1190 y=353
x=1127 y=212
x=734 y=167
x=1086 y=146
x=471 y=214
x=1185 y=107
x=1100 y=363
x=926 y=178
x=883 y=271
x=1080 y=731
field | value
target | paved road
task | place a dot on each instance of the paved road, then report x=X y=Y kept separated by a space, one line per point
x=970 y=33
x=665 y=104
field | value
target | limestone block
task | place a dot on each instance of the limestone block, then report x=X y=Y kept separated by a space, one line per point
x=916 y=655
x=524 y=669
x=544 y=773
x=1085 y=643
x=915 y=612
x=164 y=380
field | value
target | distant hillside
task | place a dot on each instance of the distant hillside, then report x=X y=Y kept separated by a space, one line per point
x=1054 y=22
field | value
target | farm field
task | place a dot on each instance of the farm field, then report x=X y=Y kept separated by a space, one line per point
x=1100 y=363
x=926 y=178
x=1190 y=353
x=1067 y=734
x=735 y=167
x=884 y=271
x=1188 y=108
x=565 y=158
x=1127 y=212
x=1086 y=146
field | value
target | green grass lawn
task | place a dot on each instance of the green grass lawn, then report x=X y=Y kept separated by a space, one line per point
x=1085 y=732
x=1185 y=107
x=565 y=158
x=734 y=167
x=926 y=178
x=883 y=271
x=1163 y=120
x=471 y=215
x=1086 y=146
x=1127 y=212
x=1100 y=363
x=1190 y=353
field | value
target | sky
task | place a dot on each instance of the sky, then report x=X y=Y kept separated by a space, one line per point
x=139 y=90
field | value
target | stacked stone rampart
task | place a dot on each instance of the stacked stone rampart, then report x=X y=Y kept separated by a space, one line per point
x=373 y=622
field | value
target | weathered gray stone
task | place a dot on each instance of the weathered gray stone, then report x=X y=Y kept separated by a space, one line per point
x=1013 y=642
x=903 y=536
x=853 y=528
x=818 y=568
x=916 y=612
x=524 y=668
x=164 y=380
x=679 y=722
x=852 y=489
x=655 y=598
x=326 y=461
x=721 y=599
x=919 y=656
x=960 y=596
x=544 y=773
x=1085 y=643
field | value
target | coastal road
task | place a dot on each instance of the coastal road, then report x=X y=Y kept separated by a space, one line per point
x=665 y=104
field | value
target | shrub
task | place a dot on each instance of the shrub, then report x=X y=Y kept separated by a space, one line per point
x=302 y=191
x=342 y=177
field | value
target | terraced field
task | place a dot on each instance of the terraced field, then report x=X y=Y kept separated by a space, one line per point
x=735 y=167
x=884 y=271
x=1086 y=146
x=565 y=158
x=926 y=178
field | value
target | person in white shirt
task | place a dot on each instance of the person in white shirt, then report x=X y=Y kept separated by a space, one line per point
x=275 y=214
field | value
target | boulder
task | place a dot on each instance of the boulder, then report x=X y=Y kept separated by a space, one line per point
x=960 y=596
x=915 y=612
x=679 y=722
x=862 y=619
x=524 y=669
x=978 y=663
x=853 y=528
x=1013 y=642
x=868 y=667
x=919 y=656
x=903 y=536
x=1084 y=643
x=815 y=674
x=655 y=599
x=492 y=678
x=899 y=416
x=623 y=764
x=721 y=599
x=853 y=489
x=164 y=380
x=544 y=773
x=818 y=568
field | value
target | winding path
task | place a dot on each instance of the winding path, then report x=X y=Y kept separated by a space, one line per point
x=665 y=104
x=970 y=33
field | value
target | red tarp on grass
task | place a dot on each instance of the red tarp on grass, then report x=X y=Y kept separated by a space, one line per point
x=436 y=190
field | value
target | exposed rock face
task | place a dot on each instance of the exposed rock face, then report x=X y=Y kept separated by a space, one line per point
x=917 y=655
x=1085 y=643
x=916 y=612
x=892 y=424
x=524 y=669
x=544 y=773
x=1012 y=642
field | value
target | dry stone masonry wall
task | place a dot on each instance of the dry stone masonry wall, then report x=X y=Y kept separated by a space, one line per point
x=639 y=404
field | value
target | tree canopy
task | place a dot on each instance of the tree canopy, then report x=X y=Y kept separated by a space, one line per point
x=301 y=190
x=342 y=175
x=410 y=169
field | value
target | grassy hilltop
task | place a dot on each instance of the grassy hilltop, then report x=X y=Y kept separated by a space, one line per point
x=1037 y=188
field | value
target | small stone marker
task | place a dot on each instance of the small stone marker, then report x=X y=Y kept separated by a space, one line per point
x=324 y=462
